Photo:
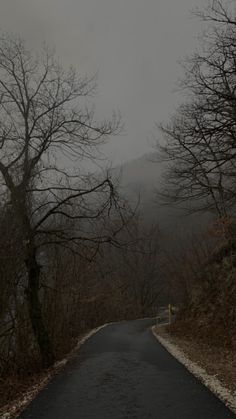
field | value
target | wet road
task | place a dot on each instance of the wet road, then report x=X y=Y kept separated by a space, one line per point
x=122 y=372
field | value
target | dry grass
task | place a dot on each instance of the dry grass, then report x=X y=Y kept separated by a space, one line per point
x=17 y=392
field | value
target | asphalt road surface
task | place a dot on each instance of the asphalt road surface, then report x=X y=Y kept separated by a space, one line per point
x=122 y=372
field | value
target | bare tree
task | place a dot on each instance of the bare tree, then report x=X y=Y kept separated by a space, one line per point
x=46 y=127
x=138 y=270
x=200 y=140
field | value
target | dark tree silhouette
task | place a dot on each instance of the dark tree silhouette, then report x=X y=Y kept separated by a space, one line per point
x=46 y=129
x=200 y=140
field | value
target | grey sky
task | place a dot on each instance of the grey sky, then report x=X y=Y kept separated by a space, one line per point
x=133 y=44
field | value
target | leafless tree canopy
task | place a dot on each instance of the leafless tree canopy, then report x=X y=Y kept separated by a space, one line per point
x=201 y=137
x=45 y=116
x=47 y=127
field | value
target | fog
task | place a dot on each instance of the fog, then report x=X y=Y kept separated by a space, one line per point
x=133 y=46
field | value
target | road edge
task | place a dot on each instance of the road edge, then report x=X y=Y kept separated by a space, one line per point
x=21 y=403
x=210 y=381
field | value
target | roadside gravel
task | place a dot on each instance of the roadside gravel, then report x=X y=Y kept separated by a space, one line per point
x=13 y=409
x=215 y=368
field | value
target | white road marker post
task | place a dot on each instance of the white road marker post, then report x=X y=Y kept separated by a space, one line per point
x=169 y=315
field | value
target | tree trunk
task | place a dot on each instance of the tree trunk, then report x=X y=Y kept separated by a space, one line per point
x=35 y=311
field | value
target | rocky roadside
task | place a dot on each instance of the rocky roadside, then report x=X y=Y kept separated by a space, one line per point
x=214 y=367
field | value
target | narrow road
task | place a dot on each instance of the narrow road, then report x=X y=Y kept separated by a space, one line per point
x=122 y=372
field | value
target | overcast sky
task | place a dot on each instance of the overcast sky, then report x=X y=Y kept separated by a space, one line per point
x=134 y=45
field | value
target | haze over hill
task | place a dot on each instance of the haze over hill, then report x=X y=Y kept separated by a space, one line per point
x=139 y=181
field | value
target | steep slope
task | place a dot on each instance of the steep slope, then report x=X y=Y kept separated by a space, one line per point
x=211 y=307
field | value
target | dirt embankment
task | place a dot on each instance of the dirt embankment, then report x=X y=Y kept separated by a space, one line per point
x=205 y=327
x=210 y=315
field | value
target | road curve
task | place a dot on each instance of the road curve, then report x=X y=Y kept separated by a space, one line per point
x=122 y=372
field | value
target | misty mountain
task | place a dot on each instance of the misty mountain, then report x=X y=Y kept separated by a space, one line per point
x=139 y=181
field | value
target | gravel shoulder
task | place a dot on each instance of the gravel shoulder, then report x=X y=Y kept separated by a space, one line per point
x=214 y=367
x=122 y=372
x=26 y=393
